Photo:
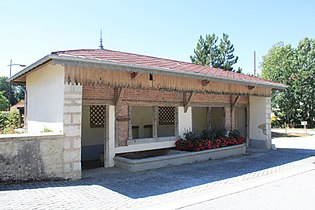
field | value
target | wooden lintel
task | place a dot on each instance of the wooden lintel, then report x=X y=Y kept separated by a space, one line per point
x=250 y=87
x=187 y=103
x=133 y=75
x=235 y=102
x=205 y=82
x=119 y=96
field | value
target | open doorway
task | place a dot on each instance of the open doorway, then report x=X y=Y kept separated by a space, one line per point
x=93 y=135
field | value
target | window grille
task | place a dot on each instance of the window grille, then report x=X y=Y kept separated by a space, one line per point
x=166 y=115
x=97 y=116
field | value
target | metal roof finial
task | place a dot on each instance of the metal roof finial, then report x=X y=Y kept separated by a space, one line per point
x=101 y=41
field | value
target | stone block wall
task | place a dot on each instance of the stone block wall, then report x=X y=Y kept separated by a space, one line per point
x=31 y=157
x=44 y=156
x=72 y=131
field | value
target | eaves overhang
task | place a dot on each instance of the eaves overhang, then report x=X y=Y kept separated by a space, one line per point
x=104 y=64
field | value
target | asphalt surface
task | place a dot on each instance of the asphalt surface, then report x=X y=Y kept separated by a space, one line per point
x=294 y=192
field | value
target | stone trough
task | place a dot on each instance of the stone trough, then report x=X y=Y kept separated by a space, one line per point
x=142 y=161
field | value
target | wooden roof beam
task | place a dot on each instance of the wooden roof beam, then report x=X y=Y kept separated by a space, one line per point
x=119 y=96
x=188 y=101
x=235 y=102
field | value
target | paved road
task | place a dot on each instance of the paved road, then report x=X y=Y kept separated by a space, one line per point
x=118 y=189
x=295 y=192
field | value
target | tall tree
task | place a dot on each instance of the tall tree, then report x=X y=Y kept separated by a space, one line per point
x=279 y=65
x=226 y=57
x=306 y=78
x=201 y=53
x=294 y=67
x=209 y=53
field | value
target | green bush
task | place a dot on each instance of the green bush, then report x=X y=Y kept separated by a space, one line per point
x=8 y=122
x=46 y=130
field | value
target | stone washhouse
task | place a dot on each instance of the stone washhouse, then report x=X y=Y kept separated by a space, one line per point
x=101 y=103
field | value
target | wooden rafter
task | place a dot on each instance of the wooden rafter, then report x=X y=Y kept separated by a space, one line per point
x=119 y=96
x=187 y=103
x=235 y=102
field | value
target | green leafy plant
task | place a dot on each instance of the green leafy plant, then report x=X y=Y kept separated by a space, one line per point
x=8 y=122
x=46 y=130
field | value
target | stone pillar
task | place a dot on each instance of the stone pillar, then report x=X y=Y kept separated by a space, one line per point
x=260 y=122
x=72 y=131
x=184 y=120
x=227 y=111
x=268 y=122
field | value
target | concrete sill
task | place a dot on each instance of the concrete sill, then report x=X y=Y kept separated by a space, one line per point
x=27 y=136
x=175 y=157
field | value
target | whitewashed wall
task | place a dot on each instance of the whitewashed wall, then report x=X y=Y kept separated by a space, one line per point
x=184 y=120
x=45 y=96
x=260 y=128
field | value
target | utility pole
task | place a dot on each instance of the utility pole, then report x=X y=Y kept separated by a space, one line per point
x=9 y=94
x=255 y=63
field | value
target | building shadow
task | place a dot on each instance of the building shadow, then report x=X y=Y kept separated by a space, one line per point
x=173 y=178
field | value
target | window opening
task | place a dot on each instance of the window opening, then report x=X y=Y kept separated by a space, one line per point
x=97 y=116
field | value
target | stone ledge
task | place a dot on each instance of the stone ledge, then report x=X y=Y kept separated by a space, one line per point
x=28 y=137
x=178 y=158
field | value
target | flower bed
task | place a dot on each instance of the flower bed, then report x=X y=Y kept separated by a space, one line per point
x=208 y=139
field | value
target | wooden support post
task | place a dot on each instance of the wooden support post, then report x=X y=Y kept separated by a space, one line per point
x=130 y=122
x=209 y=117
x=235 y=102
x=155 y=120
x=232 y=115
x=187 y=103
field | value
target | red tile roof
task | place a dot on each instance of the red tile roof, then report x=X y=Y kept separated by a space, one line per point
x=154 y=62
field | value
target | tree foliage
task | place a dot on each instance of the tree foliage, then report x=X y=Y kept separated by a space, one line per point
x=209 y=53
x=8 y=122
x=4 y=102
x=295 y=68
x=15 y=94
x=306 y=78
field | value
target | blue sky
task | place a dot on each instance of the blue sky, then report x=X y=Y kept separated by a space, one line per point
x=163 y=28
